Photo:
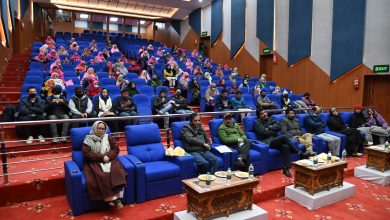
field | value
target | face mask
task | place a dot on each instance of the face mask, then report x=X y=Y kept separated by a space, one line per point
x=56 y=96
x=79 y=95
x=96 y=86
x=32 y=95
x=263 y=95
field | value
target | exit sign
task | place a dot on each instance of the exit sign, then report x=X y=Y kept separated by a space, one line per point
x=266 y=50
x=204 y=34
x=381 y=68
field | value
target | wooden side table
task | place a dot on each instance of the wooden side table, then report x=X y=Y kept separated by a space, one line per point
x=378 y=157
x=320 y=177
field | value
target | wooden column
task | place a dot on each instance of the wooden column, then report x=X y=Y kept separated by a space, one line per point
x=107 y=28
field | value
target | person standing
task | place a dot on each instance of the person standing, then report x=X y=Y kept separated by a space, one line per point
x=197 y=144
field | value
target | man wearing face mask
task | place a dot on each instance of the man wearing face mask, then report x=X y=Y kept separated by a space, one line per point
x=315 y=124
x=57 y=108
x=32 y=110
x=80 y=106
x=180 y=104
x=264 y=102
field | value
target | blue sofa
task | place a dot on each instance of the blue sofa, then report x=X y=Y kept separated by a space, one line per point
x=223 y=158
x=258 y=153
x=156 y=175
x=75 y=182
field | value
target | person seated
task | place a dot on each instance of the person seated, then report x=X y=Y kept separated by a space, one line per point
x=209 y=97
x=277 y=91
x=223 y=102
x=373 y=118
x=104 y=175
x=99 y=58
x=52 y=56
x=197 y=71
x=51 y=45
x=207 y=76
x=150 y=48
x=75 y=57
x=93 y=88
x=62 y=51
x=244 y=86
x=315 y=125
x=200 y=59
x=144 y=58
x=71 y=41
x=89 y=75
x=81 y=67
x=266 y=129
x=152 y=61
x=41 y=57
x=93 y=44
x=121 y=67
x=57 y=63
x=57 y=108
x=207 y=65
x=194 y=53
x=91 y=62
x=123 y=59
x=222 y=83
x=197 y=143
x=31 y=109
x=307 y=100
x=180 y=104
x=234 y=72
x=189 y=64
x=256 y=90
x=246 y=77
x=354 y=138
x=155 y=81
x=184 y=79
x=125 y=106
x=66 y=60
x=57 y=81
x=358 y=121
x=132 y=89
x=122 y=82
x=86 y=52
x=44 y=49
x=74 y=46
x=47 y=89
x=169 y=76
x=233 y=89
x=262 y=82
x=109 y=68
x=226 y=68
x=219 y=72
x=233 y=136
x=160 y=52
x=49 y=39
x=145 y=76
x=80 y=106
x=194 y=87
x=238 y=102
x=161 y=103
x=292 y=129
x=106 y=53
x=114 y=49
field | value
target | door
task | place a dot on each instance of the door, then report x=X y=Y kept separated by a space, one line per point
x=204 y=46
x=377 y=93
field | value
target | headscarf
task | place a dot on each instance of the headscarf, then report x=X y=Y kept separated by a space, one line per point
x=90 y=74
x=81 y=67
x=44 y=49
x=185 y=77
x=160 y=53
x=144 y=75
x=208 y=77
x=226 y=67
x=74 y=46
x=99 y=58
x=39 y=59
x=62 y=51
x=152 y=60
x=75 y=57
x=58 y=71
x=114 y=48
x=52 y=55
x=122 y=68
x=57 y=80
x=99 y=145
x=219 y=72
x=194 y=53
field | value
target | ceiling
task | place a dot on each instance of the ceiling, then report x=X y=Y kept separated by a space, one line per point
x=144 y=9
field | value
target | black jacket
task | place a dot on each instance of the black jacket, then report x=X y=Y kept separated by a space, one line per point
x=224 y=103
x=266 y=130
x=29 y=108
x=194 y=140
x=54 y=108
x=123 y=104
x=357 y=120
x=180 y=103
x=158 y=103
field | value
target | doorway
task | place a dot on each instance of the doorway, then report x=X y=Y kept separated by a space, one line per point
x=266 y=65
x=204 y=46
x=376 y=93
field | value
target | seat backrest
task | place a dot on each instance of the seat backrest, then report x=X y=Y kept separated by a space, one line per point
x=158 y=88
x=146 y=90
x=113 y=90
x=249 y=101
x=144 y=142
x=176 y=133
x=249 y=124
x=102 y=75
x=295 y=97
x=33 y=80
x=141 y=100
x=107 y=81
x=345 y=116
x=278 y=117
x=213 y=126
x=204 y=83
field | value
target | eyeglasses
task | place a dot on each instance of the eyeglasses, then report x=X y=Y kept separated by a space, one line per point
x=101 y=129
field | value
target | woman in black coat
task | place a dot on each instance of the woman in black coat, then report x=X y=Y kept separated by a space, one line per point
x=354 y=138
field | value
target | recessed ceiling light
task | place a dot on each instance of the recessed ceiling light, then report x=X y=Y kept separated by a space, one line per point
x=186 y=0
x=60 y=11
x=142 y=22
x=200 y=0
x=113 y=19
x=85 y=16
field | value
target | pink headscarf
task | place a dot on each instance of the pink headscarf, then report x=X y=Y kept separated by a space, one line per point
x=114 y=49
x=99 y=58
x=152 y=60
x=57 y=71
x=75 y=57
x=185 y=77
x=52 y=55
x=81 y=67
x=160 y=52
x=39 y=59
x=226 y=67
x=194 y=53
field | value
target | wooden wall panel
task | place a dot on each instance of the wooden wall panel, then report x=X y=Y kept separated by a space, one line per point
x=189 y=41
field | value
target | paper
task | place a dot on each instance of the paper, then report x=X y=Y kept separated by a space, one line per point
x=223 y=149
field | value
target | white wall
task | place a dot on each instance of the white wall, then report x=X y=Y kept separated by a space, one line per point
x=251 y=40
x=377 y=33
x=226 y=22
x=206 y=19
x=321 y=42
x=184 y=29
x=281 y=29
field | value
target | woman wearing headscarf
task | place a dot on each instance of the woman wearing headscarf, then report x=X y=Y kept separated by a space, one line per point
x=262 y=82
x=106 y=53
x=219 y=72
x=74 y=46
x=145 y=76
x=222 y=83
x=189 y=64
x=52 y=56
x=207 y=64
x=155 y=81
x=152 y=61
x=195 y=90
x=40 y=57
x=114 y=49
x=209 y=96
x=194 y=53
x=256 y=90
x=81 y=67
x=244 y=85
x=75 y=57
x=150 y=48
x=233 y=89
x=234 y=72
x=286 y=102
x=49 y=39
x=168 y=75
x=62 y=51
x=47 y=89
x=277 y=91
x=86 y=52
x=93 y=45
x=56 y=70
x=94 y=87
x=354 y=138
x=104 y=107
x=72 y=40
x=104 y=174
x=121 y=67
x=207 y=76
x=160 y=52
x=132 y=89
x=144 y=58
x=89 y=75
x=44 y=49
x=123 y=59
x=184 y=83
x=109 y=69
x=198 y=71
x=51 y=45
x=99 y=58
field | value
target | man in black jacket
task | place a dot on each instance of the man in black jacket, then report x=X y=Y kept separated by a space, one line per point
x=161 y=103
x=80 y=106
x=32 y=110
x=223 y=102
x=197 y=144
x=57 y=108
x=266 y=129
x=125 y=107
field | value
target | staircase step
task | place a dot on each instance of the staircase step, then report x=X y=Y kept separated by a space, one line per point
x=4 y=83
x=4 y=104
x=9 y=96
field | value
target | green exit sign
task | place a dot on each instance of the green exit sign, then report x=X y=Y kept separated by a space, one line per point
x=266 y=50
x=381 y=68
x=204 y=34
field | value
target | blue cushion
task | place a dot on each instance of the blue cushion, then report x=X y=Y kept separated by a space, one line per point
x=214 y=125
x=249 y=123
x=161 y=170
x=278 y=117
x=147 y=152
x=142 y=134
x=254 y=155
x=77 y=135
x=78 y=158
x=176 y=129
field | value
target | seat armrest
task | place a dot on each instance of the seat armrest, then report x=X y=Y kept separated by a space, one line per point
x=261 y=147
x=129 y=196
x=186 y=164
x=139 y=176
x=74 y=188
x=225 y=156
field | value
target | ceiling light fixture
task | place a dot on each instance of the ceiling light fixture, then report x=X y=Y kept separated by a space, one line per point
x=142 y=22
x=60 y=11
x=84 y=16
x=200 y=1
x=113 y=19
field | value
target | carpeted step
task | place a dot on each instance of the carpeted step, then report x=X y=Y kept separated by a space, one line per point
x=4 y=104
x=9 y=96
x=17 y=84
